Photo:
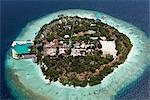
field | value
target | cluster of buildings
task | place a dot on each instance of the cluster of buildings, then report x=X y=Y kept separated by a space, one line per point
x=77 y=49
x=21 y=49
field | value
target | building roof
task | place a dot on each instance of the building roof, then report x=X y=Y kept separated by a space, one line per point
x=22 y=49
x=90 y=32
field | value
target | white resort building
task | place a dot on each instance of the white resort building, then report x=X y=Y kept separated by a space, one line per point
x=21 y=49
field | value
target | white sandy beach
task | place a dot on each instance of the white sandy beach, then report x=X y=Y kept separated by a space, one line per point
x=31 y=77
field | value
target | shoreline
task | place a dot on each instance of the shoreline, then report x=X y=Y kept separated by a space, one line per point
x=41 y=75
x=107 y=81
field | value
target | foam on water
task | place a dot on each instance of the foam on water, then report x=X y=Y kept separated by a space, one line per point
x=24 y=77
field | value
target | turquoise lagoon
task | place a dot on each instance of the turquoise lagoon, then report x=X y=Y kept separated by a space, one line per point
x=26 y=81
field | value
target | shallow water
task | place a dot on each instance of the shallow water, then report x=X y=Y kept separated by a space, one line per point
x=23 y=76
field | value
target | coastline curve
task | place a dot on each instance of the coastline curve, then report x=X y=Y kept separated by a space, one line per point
x=26 y=71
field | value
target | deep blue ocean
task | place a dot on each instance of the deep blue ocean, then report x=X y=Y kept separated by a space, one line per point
x=16 y=14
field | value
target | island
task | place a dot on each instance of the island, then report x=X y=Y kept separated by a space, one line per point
x=78 y=51
x=28 y=76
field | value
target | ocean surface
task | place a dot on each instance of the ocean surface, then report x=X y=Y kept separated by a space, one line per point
x=16 y=14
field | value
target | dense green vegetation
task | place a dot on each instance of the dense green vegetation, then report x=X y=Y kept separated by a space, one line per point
x=79 y=70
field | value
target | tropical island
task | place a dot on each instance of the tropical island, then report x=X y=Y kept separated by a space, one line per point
x=78 y=51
